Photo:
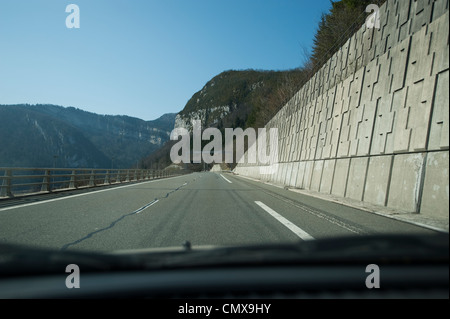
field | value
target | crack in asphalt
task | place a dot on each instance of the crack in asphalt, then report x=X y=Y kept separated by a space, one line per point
x=121 y=218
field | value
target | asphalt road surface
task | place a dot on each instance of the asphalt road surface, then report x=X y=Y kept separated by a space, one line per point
x=203 y=208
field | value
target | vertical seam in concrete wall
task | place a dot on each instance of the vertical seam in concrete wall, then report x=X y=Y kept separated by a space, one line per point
x=430 y=119
x=388 y=188
x=332 y=176
x=348 y=171
x=314 y=119
x=300 y=153
x=365 y=178
x=312 y=173
x=432 y=13
x=339 y=135
x=411 y=16
x=434 y=55
x=361 y=90
x=361 y=86
x=317 y=142
x=294 y=184
x=408 y=55
x=300 y=121
x=332 y=112
x=421 y=183
x=321 y=174
x=302 y=185
x=371 y=49
x=289 y=134
x=391 y=78
x=396 y=14
x=373 y=126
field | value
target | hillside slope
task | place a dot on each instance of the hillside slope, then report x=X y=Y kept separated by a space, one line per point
x=32 y=135
x=247 y=98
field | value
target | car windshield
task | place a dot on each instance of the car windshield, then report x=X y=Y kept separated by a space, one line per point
x=147 y=125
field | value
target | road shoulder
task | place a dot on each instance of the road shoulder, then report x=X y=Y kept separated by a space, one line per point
x=440 y=225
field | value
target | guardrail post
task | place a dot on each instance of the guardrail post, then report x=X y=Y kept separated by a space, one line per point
x=135 y=176
x=118 y=177
x=73 y=180
x=46 y=182
x=6 y=185
x=128 y=176
x=106 y=178
x=92 y=179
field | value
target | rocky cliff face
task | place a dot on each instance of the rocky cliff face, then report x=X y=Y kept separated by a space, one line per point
x=233 y=99
x=208 y=117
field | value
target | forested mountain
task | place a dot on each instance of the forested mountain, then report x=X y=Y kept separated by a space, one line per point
x=49 y=135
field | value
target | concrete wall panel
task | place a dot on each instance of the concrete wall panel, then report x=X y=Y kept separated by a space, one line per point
x=316 y=175
x=300 y=175
x=340 y=177
x=406 y=182
x=294 y=174
x=435 y=200
x=308 y=174
x=287 y=178
x=356 y=178
x=377 y=182
x=327 y=176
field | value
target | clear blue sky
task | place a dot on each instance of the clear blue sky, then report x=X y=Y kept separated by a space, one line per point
x=143 y=58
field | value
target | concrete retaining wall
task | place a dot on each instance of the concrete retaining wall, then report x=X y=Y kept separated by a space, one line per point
x=372 y=124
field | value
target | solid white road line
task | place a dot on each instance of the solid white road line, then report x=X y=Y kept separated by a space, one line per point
x=84 y=194
x=226 y=179
x=295 y=229
x=146 y=206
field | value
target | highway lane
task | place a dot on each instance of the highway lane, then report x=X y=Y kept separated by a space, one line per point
x=204 y=208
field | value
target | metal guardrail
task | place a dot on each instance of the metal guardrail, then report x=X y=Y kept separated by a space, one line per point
x=22 y=181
